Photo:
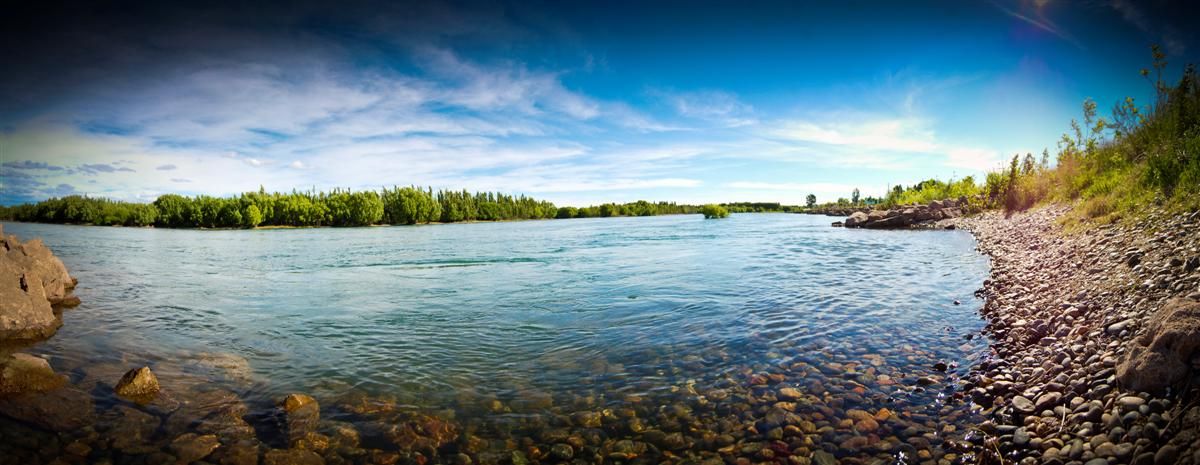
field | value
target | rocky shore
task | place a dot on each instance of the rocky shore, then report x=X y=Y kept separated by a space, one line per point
x=1096 y=340
x=907 y=216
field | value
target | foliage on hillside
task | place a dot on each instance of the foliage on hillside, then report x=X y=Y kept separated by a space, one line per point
x=1109 y=167
x=1114 y=167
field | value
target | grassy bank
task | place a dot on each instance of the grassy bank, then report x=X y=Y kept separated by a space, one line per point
x=1108 y=167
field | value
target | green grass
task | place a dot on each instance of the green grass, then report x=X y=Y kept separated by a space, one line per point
x=1111 y=170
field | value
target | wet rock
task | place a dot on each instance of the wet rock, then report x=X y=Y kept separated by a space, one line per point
x=244 y=452
x=214 y=411
x=22 y=373
x=412 y=431
x=139 y=385
x=1162 y=354
x=191 y=447
x=133 y=431
x=292 y=457
x=64 y=409
x=821 y=457
x=301 y=416
x=562 y=451
x=587 y=419
x=229 y=366
x=791 y=393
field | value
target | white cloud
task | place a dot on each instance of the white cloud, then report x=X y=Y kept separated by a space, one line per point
x=507 y=87
x=790 y=186
x=297 y=165
x=886 y=134
x=975 y=159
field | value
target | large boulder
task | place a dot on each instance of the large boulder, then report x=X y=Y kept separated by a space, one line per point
x=32 y=281
x=1162 y=355
x=37 y=260
x=856 y=219
x=25 y=313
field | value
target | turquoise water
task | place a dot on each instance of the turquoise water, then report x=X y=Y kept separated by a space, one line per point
x=473 y=320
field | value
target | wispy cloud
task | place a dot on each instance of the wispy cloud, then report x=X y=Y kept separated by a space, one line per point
x=869 y=134
x=714 y=106
x=1131 y=12
x=1040 y=21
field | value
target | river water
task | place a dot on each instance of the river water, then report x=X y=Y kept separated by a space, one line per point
x=511 y=330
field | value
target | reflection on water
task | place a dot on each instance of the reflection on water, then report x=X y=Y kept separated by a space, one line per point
x=757 y=336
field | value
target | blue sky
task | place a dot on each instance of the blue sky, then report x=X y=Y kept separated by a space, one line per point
x=688 y=102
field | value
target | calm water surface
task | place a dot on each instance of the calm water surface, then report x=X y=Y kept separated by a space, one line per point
x=451 y=317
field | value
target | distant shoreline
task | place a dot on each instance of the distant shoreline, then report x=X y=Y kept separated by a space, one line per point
x=436 y=223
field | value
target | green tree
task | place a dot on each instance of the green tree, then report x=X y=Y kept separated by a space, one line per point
x=711 y=211
x=252 y=217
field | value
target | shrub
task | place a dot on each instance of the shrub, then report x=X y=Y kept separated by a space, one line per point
x=711 y=211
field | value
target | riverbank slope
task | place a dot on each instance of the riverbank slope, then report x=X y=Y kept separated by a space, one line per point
x=1095 y=339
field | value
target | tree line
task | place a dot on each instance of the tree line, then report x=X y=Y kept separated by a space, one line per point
x=398 y=205
x=341 y=207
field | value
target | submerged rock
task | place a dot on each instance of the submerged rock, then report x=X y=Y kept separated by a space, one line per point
x=1162 y=355
x=292 y=457
x=22 y=373
x=133 y=431
x=139 y=385
x=63 y=409
x=301 y=414
x=191 y=447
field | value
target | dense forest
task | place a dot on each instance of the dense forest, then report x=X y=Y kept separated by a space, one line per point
x=403 y=205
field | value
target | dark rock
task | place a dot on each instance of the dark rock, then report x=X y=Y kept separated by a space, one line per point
x=191 y=447
x=1166 y=455
x=821 y=457
x=63 y=409
x=292 y=457
x=133 y=431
